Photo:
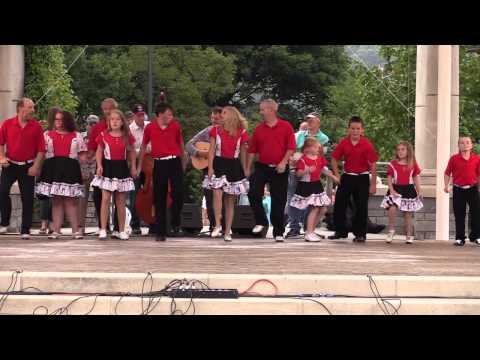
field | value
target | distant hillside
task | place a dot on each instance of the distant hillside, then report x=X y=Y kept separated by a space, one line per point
x=368 y=53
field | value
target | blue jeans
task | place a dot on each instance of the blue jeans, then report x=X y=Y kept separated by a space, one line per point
x=295 y=216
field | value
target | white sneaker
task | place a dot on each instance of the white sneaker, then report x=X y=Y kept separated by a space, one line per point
x=54 y=235
x=123 y=236
x=477 y=241
x=78 y=236
x=390 y=236
x=258 y=229
x=25 y=236
x=312 y=237
x=217 y=231
x=279 y=239
x=3 y=229
x=115 y=235
x=227 y=238
x=102 y=234
x=409 y=240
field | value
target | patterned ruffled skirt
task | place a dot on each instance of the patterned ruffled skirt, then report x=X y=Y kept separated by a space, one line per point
x=60 y=176
x=228 y=176
x=407 y=201
x=115 y=177
x=309 y=194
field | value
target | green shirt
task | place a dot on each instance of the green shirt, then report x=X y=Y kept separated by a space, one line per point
x=302 y=135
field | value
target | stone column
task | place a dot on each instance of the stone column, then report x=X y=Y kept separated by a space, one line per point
x=12 y=70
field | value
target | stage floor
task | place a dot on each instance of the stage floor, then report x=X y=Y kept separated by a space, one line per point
x=242 y=256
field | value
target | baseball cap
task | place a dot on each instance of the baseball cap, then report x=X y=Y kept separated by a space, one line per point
x=138 y=108
x=92 y=119
x=313 y=115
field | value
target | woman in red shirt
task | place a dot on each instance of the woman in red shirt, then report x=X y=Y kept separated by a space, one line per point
x=226 y=166
x=61 y=177
x=403 y=189
x=113 y=175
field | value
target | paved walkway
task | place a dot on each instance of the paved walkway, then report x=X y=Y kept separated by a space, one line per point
x=260 y=256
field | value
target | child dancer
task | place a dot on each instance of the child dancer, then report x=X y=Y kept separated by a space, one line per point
x=404 y=191
x=309 y=190
x=464 y=168
x=61 y=177
x=226 y=166
x=113 y=176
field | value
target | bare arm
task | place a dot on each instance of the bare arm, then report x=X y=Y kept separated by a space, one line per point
x=34 y=170
x=416 y=180
x=328 y=173
x=335 y=167
x=99 y=158
x=183 y=155
x=243 y=156
x=3 y=158
x=373 y=180
x=248 y=169
x=446 y=179
x=141 y=155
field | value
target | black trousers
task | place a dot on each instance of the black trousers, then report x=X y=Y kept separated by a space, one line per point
x=163 y=171
x=278 y=191
x=26 y=185
x=462 y=197
x=358 y=188
x=97 y=200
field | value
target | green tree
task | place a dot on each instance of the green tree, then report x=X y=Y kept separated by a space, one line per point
x=47 y=81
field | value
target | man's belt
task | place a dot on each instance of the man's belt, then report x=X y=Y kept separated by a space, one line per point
x=21 y=162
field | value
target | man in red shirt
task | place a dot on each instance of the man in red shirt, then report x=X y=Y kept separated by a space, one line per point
x=360 y=161
x=22 y=161
x=165 y=137
x=107 y=105
x=274 y=142
x=464 y=167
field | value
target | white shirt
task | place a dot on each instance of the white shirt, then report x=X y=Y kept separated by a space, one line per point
x=137 y=133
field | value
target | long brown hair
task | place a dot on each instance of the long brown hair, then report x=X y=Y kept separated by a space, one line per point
x=234 y=121
x=410 y=153
x=125 y=129
x=51 y=117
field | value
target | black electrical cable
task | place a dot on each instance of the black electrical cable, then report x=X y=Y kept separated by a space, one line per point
x=11 y=287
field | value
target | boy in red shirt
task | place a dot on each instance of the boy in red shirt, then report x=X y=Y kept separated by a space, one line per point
x=360 y=161
x=464 y=167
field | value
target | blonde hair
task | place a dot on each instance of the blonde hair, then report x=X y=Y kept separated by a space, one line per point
x=234 y=121
x=410 y=153
x=125 y=129
x=311 y=141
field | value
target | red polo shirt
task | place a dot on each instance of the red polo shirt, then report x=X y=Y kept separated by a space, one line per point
x=272 y=142
x=22 y=144
x=96 y=130
x=165 y=142
x=465 y=172
x=357 y=157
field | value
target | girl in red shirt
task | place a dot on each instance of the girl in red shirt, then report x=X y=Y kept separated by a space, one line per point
x=113 y=175
x=310 y=190
x=61 y=177
x=404 y=190
x=226 y=166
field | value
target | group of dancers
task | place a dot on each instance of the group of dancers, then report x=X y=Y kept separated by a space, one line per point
x=53 y=165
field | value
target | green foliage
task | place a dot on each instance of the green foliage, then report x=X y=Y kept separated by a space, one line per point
x=44 y=69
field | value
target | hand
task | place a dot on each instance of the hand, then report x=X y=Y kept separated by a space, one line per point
x=4 y=162
x=336 y=179
x=394 y=193
x=247 y=173
x=281 y=167
x=210 y=173
x=33 y=171
x=373 y=189
x=133 y=172
x=99 y=171
x=446 y=189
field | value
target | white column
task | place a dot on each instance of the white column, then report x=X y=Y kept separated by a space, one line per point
x=11 y=78
x=444 y=119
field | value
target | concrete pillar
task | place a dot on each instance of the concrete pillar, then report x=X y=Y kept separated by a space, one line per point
x=444 y=122
x=12 y=69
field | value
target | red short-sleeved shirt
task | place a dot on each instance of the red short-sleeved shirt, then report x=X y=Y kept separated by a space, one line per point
x=165 y=142
x=114 y=147
x=25 y=143
x=319 y=164
x=66 y=145
x=464 y=172
x=227 y=146
x=402 y=174
x=357 y=157
x=96 y=130
x=272 y=142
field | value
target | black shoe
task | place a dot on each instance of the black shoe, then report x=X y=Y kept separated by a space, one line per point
x=337 y=236
x=293 y=234
x=160 y=238
x=176 y=232
x=459 y=242
x=137 y=231
x=359 y=239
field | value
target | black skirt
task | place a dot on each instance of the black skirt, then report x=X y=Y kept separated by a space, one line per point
x=309 y=194
x=115 y=177
x=228 y=176
x=408 y=200
x=60 y=176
